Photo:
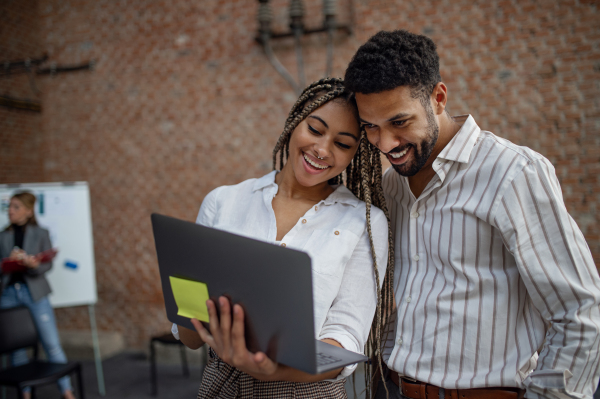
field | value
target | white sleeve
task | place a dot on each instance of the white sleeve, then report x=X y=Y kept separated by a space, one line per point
x=175 y=331
x=351 y=314
x=208 y=209
x=558 y=270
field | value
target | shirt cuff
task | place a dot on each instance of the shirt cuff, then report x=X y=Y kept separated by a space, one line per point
x=347 y=344
x=175 y=331
x=550 y=384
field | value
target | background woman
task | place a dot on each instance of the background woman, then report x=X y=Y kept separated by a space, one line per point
x=305 y=206
x=23 y=239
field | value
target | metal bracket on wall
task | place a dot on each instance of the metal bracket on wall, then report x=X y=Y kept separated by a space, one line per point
x=297 y=30
x=27 y=66
x=32 y=67
x=54 y=69
x=19 y=103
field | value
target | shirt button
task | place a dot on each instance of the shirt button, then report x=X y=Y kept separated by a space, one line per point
x=283 y=244
x=303 y=220
x=337 y=233
x=408 y=299
x=316 y=208
x=399 y=341
x=415 y=215
x=416 y=258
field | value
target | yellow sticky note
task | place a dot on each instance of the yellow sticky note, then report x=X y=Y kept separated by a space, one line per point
x=190 y=297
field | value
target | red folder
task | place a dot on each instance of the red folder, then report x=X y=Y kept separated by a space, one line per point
x=12 y=266
x=47 y=256
x=15 y=266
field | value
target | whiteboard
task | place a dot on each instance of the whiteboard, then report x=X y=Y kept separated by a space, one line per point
x=64 y=210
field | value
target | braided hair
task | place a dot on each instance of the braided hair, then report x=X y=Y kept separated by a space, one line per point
x=363 y=178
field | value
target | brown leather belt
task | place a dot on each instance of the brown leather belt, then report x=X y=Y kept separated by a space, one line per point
x=421 y=390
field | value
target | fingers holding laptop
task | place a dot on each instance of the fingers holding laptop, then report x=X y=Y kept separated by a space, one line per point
x=226 y=337
x=219 y=337
x=256 y=364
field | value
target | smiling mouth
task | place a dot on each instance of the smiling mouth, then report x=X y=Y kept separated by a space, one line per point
x=397 y=155
x=314 y=164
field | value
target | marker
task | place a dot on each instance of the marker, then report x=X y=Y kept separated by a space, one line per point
x=41 y=201
x=71 y=265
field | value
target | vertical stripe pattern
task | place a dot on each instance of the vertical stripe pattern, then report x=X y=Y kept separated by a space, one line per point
x=490 y=268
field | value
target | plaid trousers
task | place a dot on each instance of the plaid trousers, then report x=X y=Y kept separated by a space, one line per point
x=221 y=381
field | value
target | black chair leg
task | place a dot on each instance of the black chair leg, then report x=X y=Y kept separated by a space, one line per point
x=153 y=382
x=80 y=383
x=32 y=392
x=184 y=364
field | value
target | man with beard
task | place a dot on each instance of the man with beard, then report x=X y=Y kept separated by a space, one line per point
x=496 y=290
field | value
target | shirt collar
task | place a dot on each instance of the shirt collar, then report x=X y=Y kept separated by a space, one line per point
x=460 y=147
x=341 y=194
x=265 y=181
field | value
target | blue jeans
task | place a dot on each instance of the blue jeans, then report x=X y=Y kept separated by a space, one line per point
x=43 y=317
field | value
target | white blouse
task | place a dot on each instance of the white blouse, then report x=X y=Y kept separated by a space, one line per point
x=333 y=233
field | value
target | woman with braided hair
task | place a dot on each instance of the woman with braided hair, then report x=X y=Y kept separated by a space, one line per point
x=325 y=200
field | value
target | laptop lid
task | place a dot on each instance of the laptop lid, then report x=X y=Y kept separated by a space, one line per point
x=272 y=284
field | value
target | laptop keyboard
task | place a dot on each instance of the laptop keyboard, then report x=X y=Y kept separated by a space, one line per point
x=323 y=359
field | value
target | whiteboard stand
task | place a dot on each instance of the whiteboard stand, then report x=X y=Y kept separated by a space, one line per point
x=4 y=365
x=96 y=342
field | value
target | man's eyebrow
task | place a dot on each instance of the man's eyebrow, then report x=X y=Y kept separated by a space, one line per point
x=320 y=120
x=349 y=135
x=398 y=116
x=393 y=118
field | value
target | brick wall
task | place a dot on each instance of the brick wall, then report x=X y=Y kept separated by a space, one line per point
x=20 y=130
x=183 y=100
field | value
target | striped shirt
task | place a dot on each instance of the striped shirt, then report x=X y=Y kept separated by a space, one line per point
x=490 y=271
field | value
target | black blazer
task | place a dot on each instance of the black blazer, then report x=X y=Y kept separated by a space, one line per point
x=36 y=240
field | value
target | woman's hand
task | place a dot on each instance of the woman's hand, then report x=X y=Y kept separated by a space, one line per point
x=190 y=338
x=31 y=261
x=227 y=340
x=17 y=254
x=27 y=260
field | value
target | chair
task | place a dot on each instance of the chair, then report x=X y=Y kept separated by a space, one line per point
x=17 y=331
x=167 y=339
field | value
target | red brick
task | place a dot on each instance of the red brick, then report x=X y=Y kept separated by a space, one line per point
x=183 y=100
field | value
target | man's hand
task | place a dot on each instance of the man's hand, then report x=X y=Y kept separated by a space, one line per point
x=227 y=340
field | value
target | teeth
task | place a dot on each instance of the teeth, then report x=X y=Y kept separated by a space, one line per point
x=397 y=155
x=316 y=165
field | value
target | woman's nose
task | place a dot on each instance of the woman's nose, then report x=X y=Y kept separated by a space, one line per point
x=321 y=149
x=321 y=153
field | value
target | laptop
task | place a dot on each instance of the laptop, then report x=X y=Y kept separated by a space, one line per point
x=272 y=284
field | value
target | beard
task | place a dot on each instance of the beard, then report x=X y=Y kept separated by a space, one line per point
x=423 y=150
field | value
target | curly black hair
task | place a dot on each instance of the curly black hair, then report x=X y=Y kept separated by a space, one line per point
x=393 y=59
